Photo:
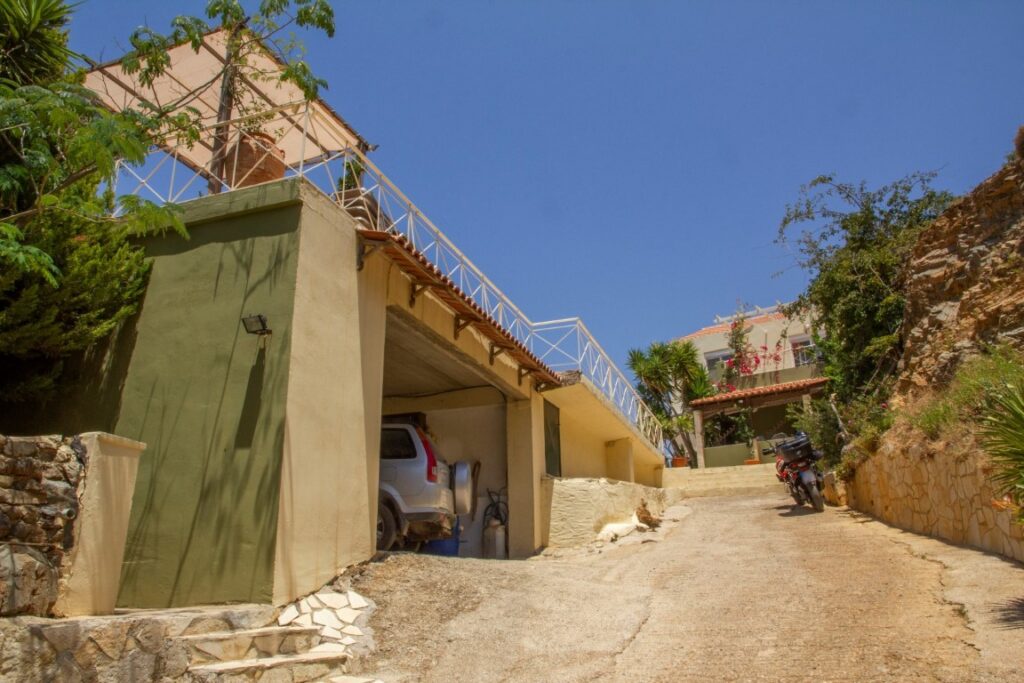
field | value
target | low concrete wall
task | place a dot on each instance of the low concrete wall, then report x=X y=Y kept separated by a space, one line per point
x=933 y=489
x=726 y=456
x=581 y=507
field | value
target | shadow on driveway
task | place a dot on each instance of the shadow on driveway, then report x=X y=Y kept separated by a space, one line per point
x=1010 y=614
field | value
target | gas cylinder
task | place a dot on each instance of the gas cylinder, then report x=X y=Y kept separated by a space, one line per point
x=494 y=540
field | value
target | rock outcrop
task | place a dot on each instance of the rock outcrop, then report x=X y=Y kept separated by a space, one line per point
x=967 y=282
x=966 y=290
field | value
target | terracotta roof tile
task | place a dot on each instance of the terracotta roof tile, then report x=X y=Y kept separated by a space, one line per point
x=724 y=327
x=770 y=390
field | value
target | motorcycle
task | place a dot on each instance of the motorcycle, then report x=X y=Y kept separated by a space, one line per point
x=796 y=467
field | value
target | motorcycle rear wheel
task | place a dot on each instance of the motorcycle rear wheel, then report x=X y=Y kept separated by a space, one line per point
x=816 y=500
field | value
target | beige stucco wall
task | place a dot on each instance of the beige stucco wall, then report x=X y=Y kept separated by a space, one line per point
x=102 y=528
x=474 y=433
x=618 y=457
x=583 y=451
x=525 y=439
x=589 y=422
x=581 y=507
x=323 y=513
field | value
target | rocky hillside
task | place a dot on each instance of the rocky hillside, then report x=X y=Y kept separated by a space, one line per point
x=967 y=283
x=966 y=290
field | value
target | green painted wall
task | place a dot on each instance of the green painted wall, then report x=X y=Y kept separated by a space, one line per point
x=772 y=420
x=726 y=456
x=209 y=401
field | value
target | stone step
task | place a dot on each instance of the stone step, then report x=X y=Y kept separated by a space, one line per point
x=714 y=492
x=714 y=481
x=298 y=668
x=268 y=641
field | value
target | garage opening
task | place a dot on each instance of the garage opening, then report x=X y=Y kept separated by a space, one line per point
x=439 y=406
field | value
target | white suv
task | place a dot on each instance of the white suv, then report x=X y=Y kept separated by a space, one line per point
x=416 y=498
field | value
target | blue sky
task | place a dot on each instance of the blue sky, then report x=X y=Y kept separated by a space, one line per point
x=629 y=162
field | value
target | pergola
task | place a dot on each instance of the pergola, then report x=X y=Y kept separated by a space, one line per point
x=753 y=398
x=300 y=132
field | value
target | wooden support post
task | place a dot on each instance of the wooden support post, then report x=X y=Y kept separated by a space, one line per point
x=698 y=434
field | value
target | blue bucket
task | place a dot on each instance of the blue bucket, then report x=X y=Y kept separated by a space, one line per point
x=448 y=547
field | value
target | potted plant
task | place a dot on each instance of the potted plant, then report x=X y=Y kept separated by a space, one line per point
x=253 y=159
x=359 y=203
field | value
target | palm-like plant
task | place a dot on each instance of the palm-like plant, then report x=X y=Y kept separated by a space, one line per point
x=1002 y=433
x=33 y=41
x=669 y=376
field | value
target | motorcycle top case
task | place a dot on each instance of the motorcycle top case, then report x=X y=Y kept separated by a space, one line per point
x=797 y=448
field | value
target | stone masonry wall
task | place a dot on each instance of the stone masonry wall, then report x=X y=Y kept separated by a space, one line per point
x=941 y=489
x=41 y=481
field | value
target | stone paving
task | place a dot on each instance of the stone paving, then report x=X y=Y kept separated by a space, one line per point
x=334 y=614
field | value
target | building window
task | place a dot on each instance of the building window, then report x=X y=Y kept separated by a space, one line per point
x=552 y=440
x=804 y=352
x=716 y=359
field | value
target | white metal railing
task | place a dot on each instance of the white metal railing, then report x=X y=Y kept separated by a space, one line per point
x=377 y=203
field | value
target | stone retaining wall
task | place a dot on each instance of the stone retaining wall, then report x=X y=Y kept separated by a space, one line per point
x=41 y=481
x=940 y=489
x=580 y=508
x=143 y=646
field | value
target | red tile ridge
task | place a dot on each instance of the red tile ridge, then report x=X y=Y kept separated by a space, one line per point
x=752 y=392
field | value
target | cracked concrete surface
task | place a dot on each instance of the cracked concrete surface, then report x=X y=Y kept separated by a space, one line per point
x=739 y=589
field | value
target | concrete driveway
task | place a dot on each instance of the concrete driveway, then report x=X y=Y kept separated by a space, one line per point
x=742 y=588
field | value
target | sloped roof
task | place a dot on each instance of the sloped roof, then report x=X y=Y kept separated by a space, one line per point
x=758 y=392
x=724 y=327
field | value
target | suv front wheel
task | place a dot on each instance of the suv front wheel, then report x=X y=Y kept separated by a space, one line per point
x=387 y=528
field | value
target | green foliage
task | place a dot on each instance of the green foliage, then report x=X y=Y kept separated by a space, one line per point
x=258 y=31
x=1002 y=434
x=102 y=279
x=856 y=250
x=820 y=424
x=353 y=177
x=669 y=376
x=69 y=273
x=968 y=394
x=33 y=42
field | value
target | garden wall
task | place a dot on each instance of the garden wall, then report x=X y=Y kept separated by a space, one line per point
x=581 y=507
x=64 y=505
x=940 y=489
x=41 y=479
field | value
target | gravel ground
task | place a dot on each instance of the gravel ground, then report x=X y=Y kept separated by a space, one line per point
x=737 y=589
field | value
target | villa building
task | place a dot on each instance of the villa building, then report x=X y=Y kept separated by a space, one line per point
x=787 y=371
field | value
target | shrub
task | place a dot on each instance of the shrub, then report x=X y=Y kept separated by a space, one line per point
x=973 y=385
x=821 y=425
x=1002 y=434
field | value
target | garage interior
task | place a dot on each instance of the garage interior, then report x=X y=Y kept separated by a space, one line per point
x=464 y=410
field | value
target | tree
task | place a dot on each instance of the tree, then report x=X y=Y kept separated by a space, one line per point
x=856 y=248
x=669 y=376
x=69 y=271
x=33 y=41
